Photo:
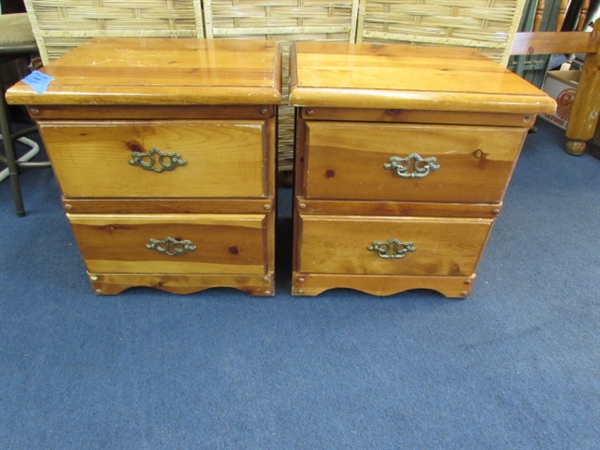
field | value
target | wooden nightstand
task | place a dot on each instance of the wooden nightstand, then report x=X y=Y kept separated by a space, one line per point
x=403 y=156
x=164 y=150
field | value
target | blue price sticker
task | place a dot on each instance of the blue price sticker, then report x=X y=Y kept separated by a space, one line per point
x=38 y=81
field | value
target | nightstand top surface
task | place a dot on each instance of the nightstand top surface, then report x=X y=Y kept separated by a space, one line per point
x=335 y=74
x=161 y=71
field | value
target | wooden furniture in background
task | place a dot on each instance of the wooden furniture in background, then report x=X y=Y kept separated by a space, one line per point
x=586 y=107
x=165 y=153
x=402 y=161
x=579 y=10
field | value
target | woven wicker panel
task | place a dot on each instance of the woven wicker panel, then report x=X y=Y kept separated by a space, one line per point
x=60 y=25
x=285 y=21
x=487 y=25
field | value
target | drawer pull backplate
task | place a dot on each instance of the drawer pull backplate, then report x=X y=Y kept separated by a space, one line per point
x=157 y=161
x=392 y=249
x=170 y=246
x=413 y=166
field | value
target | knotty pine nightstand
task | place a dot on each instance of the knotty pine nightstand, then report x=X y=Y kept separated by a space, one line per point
x=164 y=150
x=403 y=156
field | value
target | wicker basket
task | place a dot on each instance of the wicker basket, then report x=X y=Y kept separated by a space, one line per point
x=60 y=25
x=488 y=25
x=285 y=21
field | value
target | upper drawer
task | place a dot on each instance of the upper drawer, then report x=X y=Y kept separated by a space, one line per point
x=105 y=159
x=433 y=163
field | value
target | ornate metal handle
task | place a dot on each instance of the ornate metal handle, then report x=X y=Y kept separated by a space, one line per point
x=392 y=249
x=413 y=166
x=170 y=246
x=157 y=161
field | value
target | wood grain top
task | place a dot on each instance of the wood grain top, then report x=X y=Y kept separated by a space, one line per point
x=161 y=71
x=398 y=76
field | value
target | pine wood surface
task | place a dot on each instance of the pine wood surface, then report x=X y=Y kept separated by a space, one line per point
x=374 y=207
x=171 y=206
x=346 y=161
x=338 y=245
x=159 y=71
x=343 y=75
x=417 y=116
x=132 y=112
x=91 y=158
x=381 y=285
x=115 y=283
x=225 y=243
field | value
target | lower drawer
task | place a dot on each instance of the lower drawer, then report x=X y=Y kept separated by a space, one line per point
x=175 y=243
x=390 y=245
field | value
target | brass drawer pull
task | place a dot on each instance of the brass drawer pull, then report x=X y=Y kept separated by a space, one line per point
x=392 y=249
x=170 y=246
x=157 y=161
x=413 y=166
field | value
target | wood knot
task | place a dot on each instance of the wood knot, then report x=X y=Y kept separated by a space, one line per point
x=135 y=147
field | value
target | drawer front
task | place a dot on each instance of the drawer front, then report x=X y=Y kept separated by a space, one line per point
x=433 y=163
x=391 y=246
x=123 y=159
x=173 y=243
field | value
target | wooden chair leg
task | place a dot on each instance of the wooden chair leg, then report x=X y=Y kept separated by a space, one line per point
x=586 y=108
x=575 y=148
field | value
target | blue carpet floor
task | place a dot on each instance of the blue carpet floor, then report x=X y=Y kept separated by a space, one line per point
x=515 y=366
